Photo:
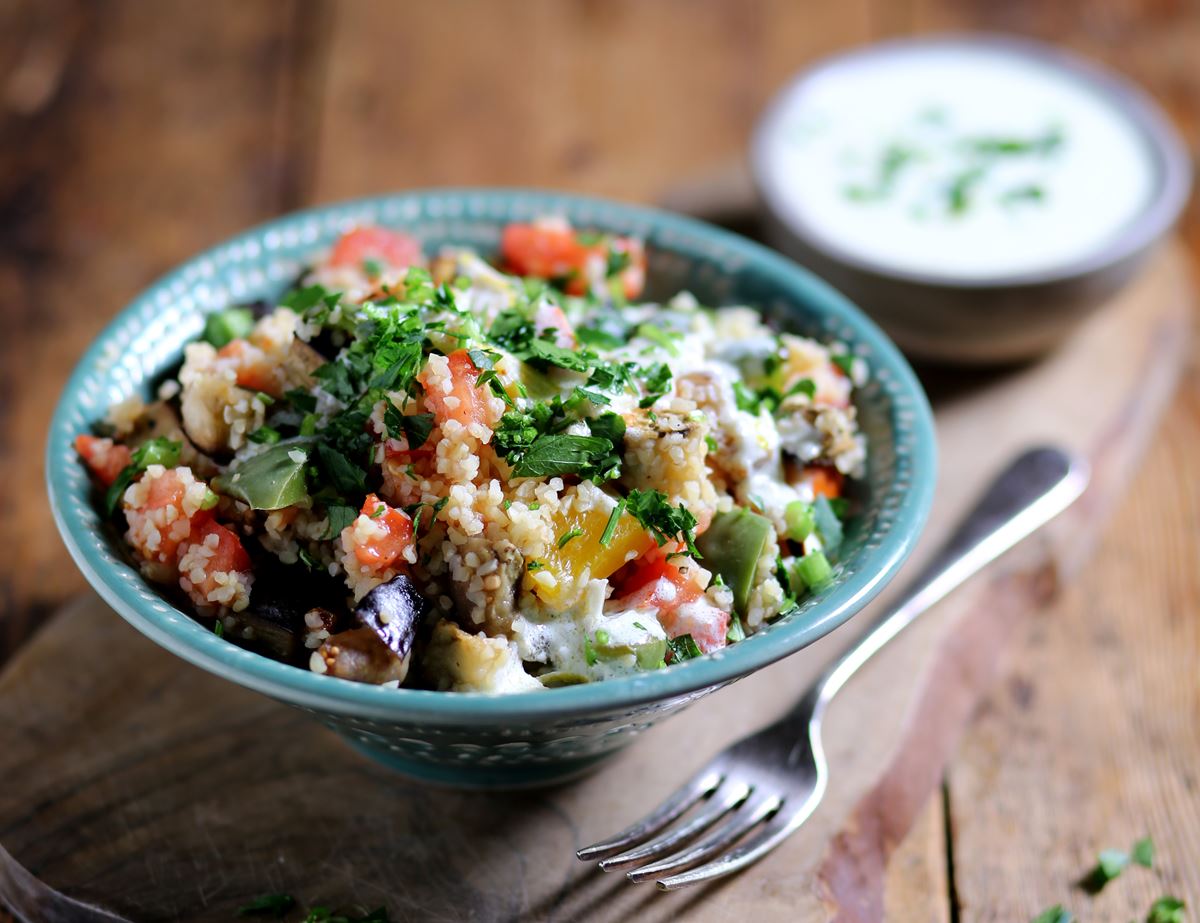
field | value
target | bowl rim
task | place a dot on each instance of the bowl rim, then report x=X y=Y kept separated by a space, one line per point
x=177 y=631
x=1164 y=145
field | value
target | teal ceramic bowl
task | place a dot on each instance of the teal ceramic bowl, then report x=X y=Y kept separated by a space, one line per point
x=528 y=738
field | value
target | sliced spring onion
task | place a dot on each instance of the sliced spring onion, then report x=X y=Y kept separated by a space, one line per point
x=611 y=528
x=800 y=520
x=814 y=570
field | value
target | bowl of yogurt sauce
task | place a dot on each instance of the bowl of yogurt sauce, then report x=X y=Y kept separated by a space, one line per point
x=979 y=195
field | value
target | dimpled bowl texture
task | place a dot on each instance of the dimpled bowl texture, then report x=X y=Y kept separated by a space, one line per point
x=473 y=739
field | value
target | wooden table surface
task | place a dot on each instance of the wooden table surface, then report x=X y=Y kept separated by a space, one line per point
x=133 y=134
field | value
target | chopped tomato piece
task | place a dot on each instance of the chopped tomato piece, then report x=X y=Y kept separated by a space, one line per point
x=545 y=250
x=356 y=247
x=384 y=550
x=463 y=402
x=255 y=371
x=228 y=554
x=554 y=250
x=824 y=481
x=105 y=458
x=657 y=583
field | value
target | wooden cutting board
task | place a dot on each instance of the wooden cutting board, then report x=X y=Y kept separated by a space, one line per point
x=141 y=784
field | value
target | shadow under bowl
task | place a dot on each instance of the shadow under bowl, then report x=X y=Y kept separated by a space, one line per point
x=473 y=739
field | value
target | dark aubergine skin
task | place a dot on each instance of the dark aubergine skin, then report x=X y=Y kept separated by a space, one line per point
x=281 y=595
x=394 y=611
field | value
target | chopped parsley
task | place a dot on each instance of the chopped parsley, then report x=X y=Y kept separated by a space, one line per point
x=592 y=336
x=656 y=383
x=682 y=648
x=845 y=362
x=1112 y=862
x=413 y=428
x=340 y=516
x=1166 y=909
x=267 y=905
x=535 y=444
x=665 y=522
x=158 y=451
x=1028 y=193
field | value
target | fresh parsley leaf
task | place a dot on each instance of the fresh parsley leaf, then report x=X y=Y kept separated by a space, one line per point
x=1166 y=909
x=560 y=454
x=601 y=339
x=683 y=648
x=544 y=352
x=805 y=386
x=665 y=522
x=845 y=362
x=343 y=474
x=158 y=451
x=340 y=515
x=302 y=400
x=414 y=428
x=1143 y=852
x=656 y=382
x=482 y=359
x=1109 y=864
x=267 y=905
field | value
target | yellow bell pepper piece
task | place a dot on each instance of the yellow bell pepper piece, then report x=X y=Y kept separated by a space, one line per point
x=628 y=541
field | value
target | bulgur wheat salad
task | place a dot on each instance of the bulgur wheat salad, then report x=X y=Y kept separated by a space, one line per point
x=462 y=475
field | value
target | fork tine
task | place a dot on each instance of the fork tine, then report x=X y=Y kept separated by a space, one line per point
x=776 y=830
x=721 y=802
x=699 y=786
x=740 y=823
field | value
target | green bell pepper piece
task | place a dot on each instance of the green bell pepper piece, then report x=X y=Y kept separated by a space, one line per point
x=732 y=546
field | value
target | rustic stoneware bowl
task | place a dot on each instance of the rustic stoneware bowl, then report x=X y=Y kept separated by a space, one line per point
x=1008 y=317
x=475 y=739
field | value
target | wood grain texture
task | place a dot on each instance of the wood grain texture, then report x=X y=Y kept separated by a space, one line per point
x=159 y=138
x=1093 y=741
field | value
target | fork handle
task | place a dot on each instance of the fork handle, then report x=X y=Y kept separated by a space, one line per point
x=1037 y=486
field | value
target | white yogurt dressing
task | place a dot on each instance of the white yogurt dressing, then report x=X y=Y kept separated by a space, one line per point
x=946 y=205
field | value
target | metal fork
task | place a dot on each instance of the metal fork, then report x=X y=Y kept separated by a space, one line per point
x=762 y=788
